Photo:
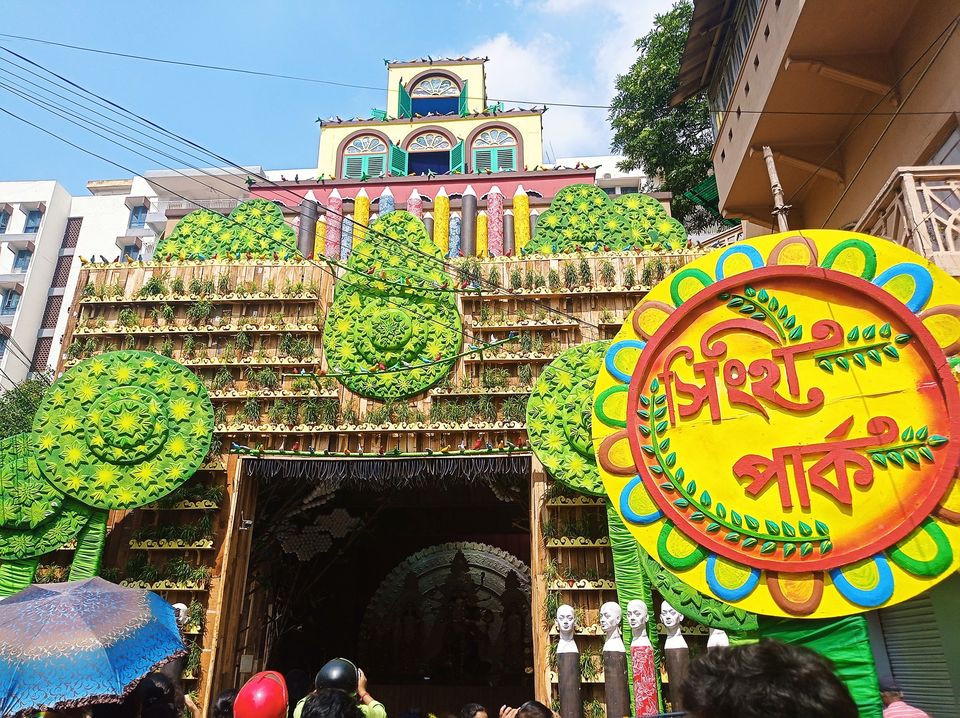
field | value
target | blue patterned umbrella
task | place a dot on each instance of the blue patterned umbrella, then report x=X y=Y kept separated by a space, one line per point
x=65 y=645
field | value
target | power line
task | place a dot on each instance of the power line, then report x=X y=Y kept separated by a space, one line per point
x=446 y=266
x=356 y=86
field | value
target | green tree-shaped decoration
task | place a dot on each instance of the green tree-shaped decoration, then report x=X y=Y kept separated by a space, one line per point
x=393 y=309
x=255 y=227
x=35 y=518
x=582 y=217
x=558 y=417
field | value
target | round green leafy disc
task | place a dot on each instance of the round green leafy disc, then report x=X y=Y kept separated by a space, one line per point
x=391 y=312
x=122 y=429
x=49 y=536
x=26 y=499
x=558 y=417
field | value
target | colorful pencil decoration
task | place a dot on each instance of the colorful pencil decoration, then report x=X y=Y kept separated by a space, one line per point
x=387 y=203
x=468 y=221
x=334 y=225
x=441 y=220
x=495 y=222
x=415 y=204
x=361 y=217
x=521 y=218
x=482 y=251
x=453 y=249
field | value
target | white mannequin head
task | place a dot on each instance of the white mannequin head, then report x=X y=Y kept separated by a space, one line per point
x=718 y=638
x=180 y=612
x=566 y=622
x=671 y=618
x=610 y=618
x=637 y=615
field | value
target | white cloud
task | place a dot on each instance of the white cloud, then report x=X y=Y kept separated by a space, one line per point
x=575 y=58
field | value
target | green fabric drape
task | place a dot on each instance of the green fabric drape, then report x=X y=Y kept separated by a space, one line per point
x=845 y=642
x=632 y=583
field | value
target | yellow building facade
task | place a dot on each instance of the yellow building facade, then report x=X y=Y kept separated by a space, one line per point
x=437 y=121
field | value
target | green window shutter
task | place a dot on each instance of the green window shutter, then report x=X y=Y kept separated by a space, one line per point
x=505 y=160
x=482 y=160
x=353 y=167
x=398 y=161
x=456 y=158
x=404 y=108
x=376 y=165
x=464 y=101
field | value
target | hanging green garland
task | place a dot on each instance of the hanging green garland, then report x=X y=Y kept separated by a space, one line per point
x=385 y=314
x=123 y=429
x=558 y=417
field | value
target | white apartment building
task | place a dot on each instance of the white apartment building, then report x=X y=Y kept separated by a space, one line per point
x=610 y=177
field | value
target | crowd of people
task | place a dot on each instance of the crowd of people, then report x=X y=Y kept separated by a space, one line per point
x=757 y=680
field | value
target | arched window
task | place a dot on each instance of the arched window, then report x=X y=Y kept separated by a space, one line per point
x=494 y=149
x=429 y=152
x=435 y=93
x=364 y=156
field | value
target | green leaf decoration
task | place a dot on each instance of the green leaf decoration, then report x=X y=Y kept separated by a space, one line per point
x=788 y=529
x=891 y=351
x=859 y=359
x=713 y=526
x=691 y=488
x=826 y=365
x=937 y=440
x=749 y=542
x=694 y=605
x=782 y=314
x=705 y=499
x=16 y=575
x=374 y=325
x=907 y=434
x=869 y=332
x=762 y=296
x=583 y=217
x=822 y=528
x=902 y=338
x=853 y=334
x=681 y=503
x=886 y=331
x=752 y=523
x=750 y=291
x=661 y=399
x=922 y=433
x=774 y=304
x=735 y=302
x=255 y=227
x=911 y=455
x=789 y=549
x=895 y=457
x=874 y=356
x=721 y=511
x=665 y=444
x=697 y=516
x=772 y=527
x=736 y=519
x=879 y=459
x=732 y=537
x=806 y=548
x=843 y=363
x=655 y=385
x=926 y=453
x=768 y=547
x=790 y=322
x=648 y=450
x=826 y=547
x=644 y=400
x=123 y=429
x=805 y=529
x=26 y=498
x=559 y=417
x=796 y=333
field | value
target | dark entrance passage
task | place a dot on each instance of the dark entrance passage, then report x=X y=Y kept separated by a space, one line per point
x=424 y=583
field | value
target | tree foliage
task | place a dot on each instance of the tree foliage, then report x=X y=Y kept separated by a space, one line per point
x=19 y=405
x=671 y=145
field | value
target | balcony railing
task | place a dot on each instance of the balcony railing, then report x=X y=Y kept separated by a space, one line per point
x=180 y=204
x=919 y=208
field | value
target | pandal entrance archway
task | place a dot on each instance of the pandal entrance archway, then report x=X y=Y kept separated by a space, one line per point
x=417 y=569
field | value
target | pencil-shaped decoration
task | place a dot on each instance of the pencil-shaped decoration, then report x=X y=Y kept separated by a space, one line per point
x=387 y=203
x=334 y=225
x=441 y=220
x=361 y=216
x=495 y=222
x=482 y=234
x=415 y=204
x=521 y=218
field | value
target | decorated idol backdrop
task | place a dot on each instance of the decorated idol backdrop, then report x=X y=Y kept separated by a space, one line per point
x=116 y=431
x=777 y=424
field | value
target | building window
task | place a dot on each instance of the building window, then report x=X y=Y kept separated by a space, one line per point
x=22 y=261
x=4 y=221
x=3 y=345
x=494 y=150
x=130 y=251
x=33 y=221
x=724 y=81
x=138 y=217
x=429 y=153
x=365 y=156
x=949 y=152
x=436 y=94
x=10 y=303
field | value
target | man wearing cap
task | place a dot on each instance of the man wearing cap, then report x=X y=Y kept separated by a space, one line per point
x=340 y=674
x=893 y=703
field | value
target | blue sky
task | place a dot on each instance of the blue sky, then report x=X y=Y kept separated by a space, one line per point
x=550 y=51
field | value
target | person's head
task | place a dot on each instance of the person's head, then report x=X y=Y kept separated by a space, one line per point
x=223 y=704
x=473 y=710
x=889 y=690
x=610 y=616
x=534 y=709
x=157 y=696
x=330 y=703
x=669 y=616
x=340 y=674
x=263 y=696
x=765 y=679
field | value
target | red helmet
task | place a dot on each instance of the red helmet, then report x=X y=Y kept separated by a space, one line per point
x=263 y=696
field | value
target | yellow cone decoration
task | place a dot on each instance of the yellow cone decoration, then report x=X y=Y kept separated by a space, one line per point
x=441 y=221
x=521 y=219
x=361 y=216
x=482 y=234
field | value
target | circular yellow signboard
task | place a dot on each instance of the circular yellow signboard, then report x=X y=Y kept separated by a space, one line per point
x=779 y=425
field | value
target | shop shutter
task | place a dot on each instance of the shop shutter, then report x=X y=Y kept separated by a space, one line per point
x=917 y=658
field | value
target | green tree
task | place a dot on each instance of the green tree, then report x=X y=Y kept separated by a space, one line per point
x=19 y=405
x=670 y=144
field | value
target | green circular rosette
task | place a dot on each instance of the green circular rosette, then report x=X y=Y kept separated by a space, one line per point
x=559 y=417
x=122 y=429
x=35 y=518
x=393 y=309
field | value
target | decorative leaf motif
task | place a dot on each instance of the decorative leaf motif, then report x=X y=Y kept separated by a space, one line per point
x=772 y=527
x=843 y=363
x=788 y=529
x=721 y=511
x=732 y=537
x=752 y=523
x=790 y=322
x=895 y=457
x=705 y=499
x=822 y=528
x=762 y=296
x=749 y=542
x=922 y=433
x=750 y=291
x=911 y=455
x=907 y=434
x=768 y=547
x=859 y=359
x=826 y=365
x=735 y=302
x=735 y=518
x=874 y=356
x=805 y=529
x=853 y=334
x=774 y=304
x=891 y=351
x=902 y=338
x=796 y=333
x=869 y=332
